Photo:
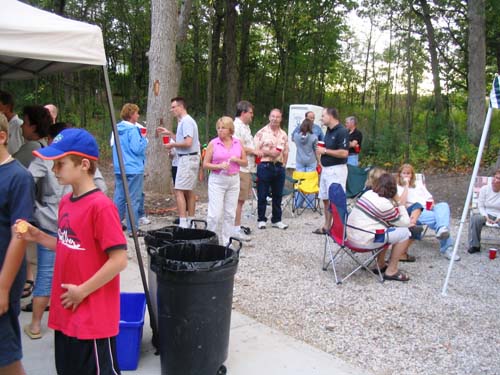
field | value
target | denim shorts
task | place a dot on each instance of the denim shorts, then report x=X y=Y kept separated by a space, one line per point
x=45 y=269
x=10 y=335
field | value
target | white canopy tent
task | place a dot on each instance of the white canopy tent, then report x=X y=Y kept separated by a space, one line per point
x=34 y=42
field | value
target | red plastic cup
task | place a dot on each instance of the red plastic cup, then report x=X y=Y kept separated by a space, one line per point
x=144 y=131
x=429 y=203
x=279 y=149
x=321 y=144
x=166 y=139
x=257 y=160
x=379 y=235
x=357 y=149
x=493 y=253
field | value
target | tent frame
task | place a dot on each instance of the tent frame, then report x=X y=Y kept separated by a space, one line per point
x=465 y=211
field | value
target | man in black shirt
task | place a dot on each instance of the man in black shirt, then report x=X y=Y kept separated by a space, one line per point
x=355 y=139
x=333 y=159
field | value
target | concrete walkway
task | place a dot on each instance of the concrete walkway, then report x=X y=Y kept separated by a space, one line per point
x=254 y=348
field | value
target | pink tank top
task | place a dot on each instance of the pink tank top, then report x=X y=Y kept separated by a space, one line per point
x=222 y=154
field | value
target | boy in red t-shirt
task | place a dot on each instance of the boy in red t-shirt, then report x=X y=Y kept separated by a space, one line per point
x=90 y=253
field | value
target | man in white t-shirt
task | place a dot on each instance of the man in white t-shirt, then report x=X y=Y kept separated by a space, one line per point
x=187 y=146
x=489 y=212
x=242 y=131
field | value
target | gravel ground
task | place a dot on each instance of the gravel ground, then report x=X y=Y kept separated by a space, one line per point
x=389 y=328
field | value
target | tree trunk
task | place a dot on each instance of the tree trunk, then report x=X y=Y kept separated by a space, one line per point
x=213 y=60
x=476 y=106
x=409 y=100
x=230 y=54
x=246 y=22
x=365 y=76
x=182 y=26
x=431 y=39
x=162 y=75
x=196 y=52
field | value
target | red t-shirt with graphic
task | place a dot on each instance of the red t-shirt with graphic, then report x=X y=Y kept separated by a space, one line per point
x=88 y=227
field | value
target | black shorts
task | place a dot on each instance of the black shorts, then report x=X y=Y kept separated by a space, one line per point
x=85 y=357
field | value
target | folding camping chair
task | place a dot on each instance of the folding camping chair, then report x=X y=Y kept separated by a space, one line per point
x=337 y=245
x=306 y=191
x=287 y=195
x=356 y=180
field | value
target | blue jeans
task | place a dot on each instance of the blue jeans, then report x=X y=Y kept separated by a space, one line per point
x=299 y=198
x=270 y=176
x=45 y=269
x=436 y=218
x=141 y=206
x=353 y=159
x=135 y=188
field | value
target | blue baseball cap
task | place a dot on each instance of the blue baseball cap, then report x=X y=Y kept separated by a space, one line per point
x=71 y=141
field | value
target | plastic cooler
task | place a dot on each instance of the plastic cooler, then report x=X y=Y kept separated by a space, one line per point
x=128 y=341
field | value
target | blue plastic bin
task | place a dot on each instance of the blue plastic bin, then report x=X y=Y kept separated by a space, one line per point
x=128 y=342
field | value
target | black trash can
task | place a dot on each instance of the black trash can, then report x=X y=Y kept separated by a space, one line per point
x=169 y=235
x=195 y=293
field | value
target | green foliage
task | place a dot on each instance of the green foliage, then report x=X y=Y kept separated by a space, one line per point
x=299 y=51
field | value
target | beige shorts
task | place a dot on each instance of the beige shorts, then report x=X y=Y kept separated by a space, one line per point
x=187 y=172
x=334 y=173
x=245 y=186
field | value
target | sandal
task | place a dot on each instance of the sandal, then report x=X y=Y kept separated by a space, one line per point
x=320 y=231
x=28 y=290
x=382 y=269
x=32 y=335
x=409 y=258
x=398 y=276
x=29 y=307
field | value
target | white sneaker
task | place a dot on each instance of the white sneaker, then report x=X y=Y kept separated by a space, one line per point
x=261 y=225
x=280 y=225
x=240 y=235
x=183 y=223
x=443 y=233
x=448 y=254
x=144 y=221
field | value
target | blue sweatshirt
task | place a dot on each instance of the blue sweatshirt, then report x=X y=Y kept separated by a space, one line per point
x=133 y=148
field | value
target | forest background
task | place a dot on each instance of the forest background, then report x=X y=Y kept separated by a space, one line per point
x=282 y=52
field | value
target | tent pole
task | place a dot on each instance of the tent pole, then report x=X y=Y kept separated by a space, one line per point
x=469 y=195
x=129 y=204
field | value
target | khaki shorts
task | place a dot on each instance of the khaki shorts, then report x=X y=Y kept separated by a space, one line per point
x=187 y=172
x=245 y=186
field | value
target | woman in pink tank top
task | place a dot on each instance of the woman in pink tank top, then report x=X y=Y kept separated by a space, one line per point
x=223 y=158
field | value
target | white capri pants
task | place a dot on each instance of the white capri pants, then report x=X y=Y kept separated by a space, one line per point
x=223 y=191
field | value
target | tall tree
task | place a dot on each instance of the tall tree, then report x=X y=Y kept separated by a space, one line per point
x=426 y=16
x=162 y=87
x=230 y=57
x=476 y=79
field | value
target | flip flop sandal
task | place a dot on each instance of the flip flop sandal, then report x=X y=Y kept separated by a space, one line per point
x=29 y=307
x=32 y=335
x=382 y=269
x=320 y=231
x=398 y=276
x=28 y=290
x=409 y=258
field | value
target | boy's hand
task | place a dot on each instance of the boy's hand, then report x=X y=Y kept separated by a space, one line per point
x=26 y=231
x=73 y=297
